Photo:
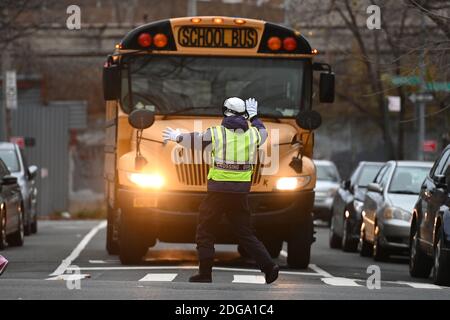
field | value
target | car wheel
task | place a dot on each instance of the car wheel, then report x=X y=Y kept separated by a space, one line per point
x=419 y=263
x=112 y=244
x=16 y=239
x=27 y=224
x=379 y=252
x=348 y=244
x=3 y=243
x=334 y=241
x=441 y=268
x=34 y=224
x=299 y=243
x=364 y=247
x=133 y=236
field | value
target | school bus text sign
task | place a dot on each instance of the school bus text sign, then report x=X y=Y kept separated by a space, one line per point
x=217 y=37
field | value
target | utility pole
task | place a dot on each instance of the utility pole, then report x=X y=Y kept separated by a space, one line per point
x=287 y=4
x=191 y=8
x=4 y=112
x=420 y=107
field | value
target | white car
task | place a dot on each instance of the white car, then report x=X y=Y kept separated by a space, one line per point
x=328 y=181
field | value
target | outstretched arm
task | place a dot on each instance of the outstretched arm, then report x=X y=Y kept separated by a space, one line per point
x=192 y=140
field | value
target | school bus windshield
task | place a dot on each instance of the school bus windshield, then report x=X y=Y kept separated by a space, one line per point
x=199 y=85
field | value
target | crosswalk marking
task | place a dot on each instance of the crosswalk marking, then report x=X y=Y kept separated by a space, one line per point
x=419 y=285
x=239 y=278
x=343 y=282
x=163 y=277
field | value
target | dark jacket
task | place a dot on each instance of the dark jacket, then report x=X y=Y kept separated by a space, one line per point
x=190 y=140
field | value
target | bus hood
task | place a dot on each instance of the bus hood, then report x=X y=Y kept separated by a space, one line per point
x=279 y=133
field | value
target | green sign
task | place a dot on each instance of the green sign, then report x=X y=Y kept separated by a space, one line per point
x=416 y=81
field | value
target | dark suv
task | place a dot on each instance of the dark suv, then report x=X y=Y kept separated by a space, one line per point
x=430 y=225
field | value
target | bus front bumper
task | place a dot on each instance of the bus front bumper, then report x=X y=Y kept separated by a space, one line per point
x=174 y=214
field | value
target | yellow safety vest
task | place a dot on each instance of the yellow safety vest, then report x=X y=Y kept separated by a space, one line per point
x=233 y=154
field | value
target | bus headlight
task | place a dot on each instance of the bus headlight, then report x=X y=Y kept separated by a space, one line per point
x=146 y=180
x=292 y=183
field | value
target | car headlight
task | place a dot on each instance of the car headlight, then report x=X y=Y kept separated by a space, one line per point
x=292 y=183
x=396 y=213
x=146 y=180
x=358 y=205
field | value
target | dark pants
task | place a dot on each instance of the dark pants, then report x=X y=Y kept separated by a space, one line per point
x=235 y=207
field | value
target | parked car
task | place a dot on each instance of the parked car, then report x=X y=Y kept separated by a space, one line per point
x=327 y=183
x=388 y=206
x=16 y=162
x=430 y=225
x=11 y=213
x=347 y=205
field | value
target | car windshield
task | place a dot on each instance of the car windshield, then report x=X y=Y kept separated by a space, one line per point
x=367 y=175
x=407 y=180
x=9 y=157
x=200 y=85
x=327 y=173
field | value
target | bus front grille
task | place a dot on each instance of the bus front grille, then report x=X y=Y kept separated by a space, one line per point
x=197 y=174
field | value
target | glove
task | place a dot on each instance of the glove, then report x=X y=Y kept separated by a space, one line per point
x=171 y=134
x=252 y=107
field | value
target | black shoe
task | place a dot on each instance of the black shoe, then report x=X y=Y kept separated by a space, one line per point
x=272 y=275
x=204 y=278
x=204 y=272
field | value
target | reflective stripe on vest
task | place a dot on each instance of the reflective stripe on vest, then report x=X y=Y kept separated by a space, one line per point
x=233 y=153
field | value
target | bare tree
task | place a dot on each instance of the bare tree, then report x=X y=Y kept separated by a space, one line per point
x=369 y=58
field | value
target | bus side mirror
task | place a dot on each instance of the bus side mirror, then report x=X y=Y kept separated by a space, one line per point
x=326 y=84
x=141 y=119
x=326 y=87
x=111 y=82
x=308 y=120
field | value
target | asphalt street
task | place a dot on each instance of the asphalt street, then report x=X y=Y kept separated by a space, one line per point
x=67 y=260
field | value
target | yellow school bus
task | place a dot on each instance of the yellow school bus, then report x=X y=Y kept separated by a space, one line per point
x=177 y=73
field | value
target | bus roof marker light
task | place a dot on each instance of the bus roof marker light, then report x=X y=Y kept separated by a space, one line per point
x=289 y=44
x=218 y=20
x=274 y=43
x=239 y=21
x=145 y=40
x=315 y=51
x=196 y=20
x=160 y=40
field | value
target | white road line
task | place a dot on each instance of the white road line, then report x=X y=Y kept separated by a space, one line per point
x=76 y=252
x=104 y=261
x=183 y=268
x=248 y=279
x=162 y=277
x=70 y=277
x=342 y=282
x=320 y=271
x=418 y=285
